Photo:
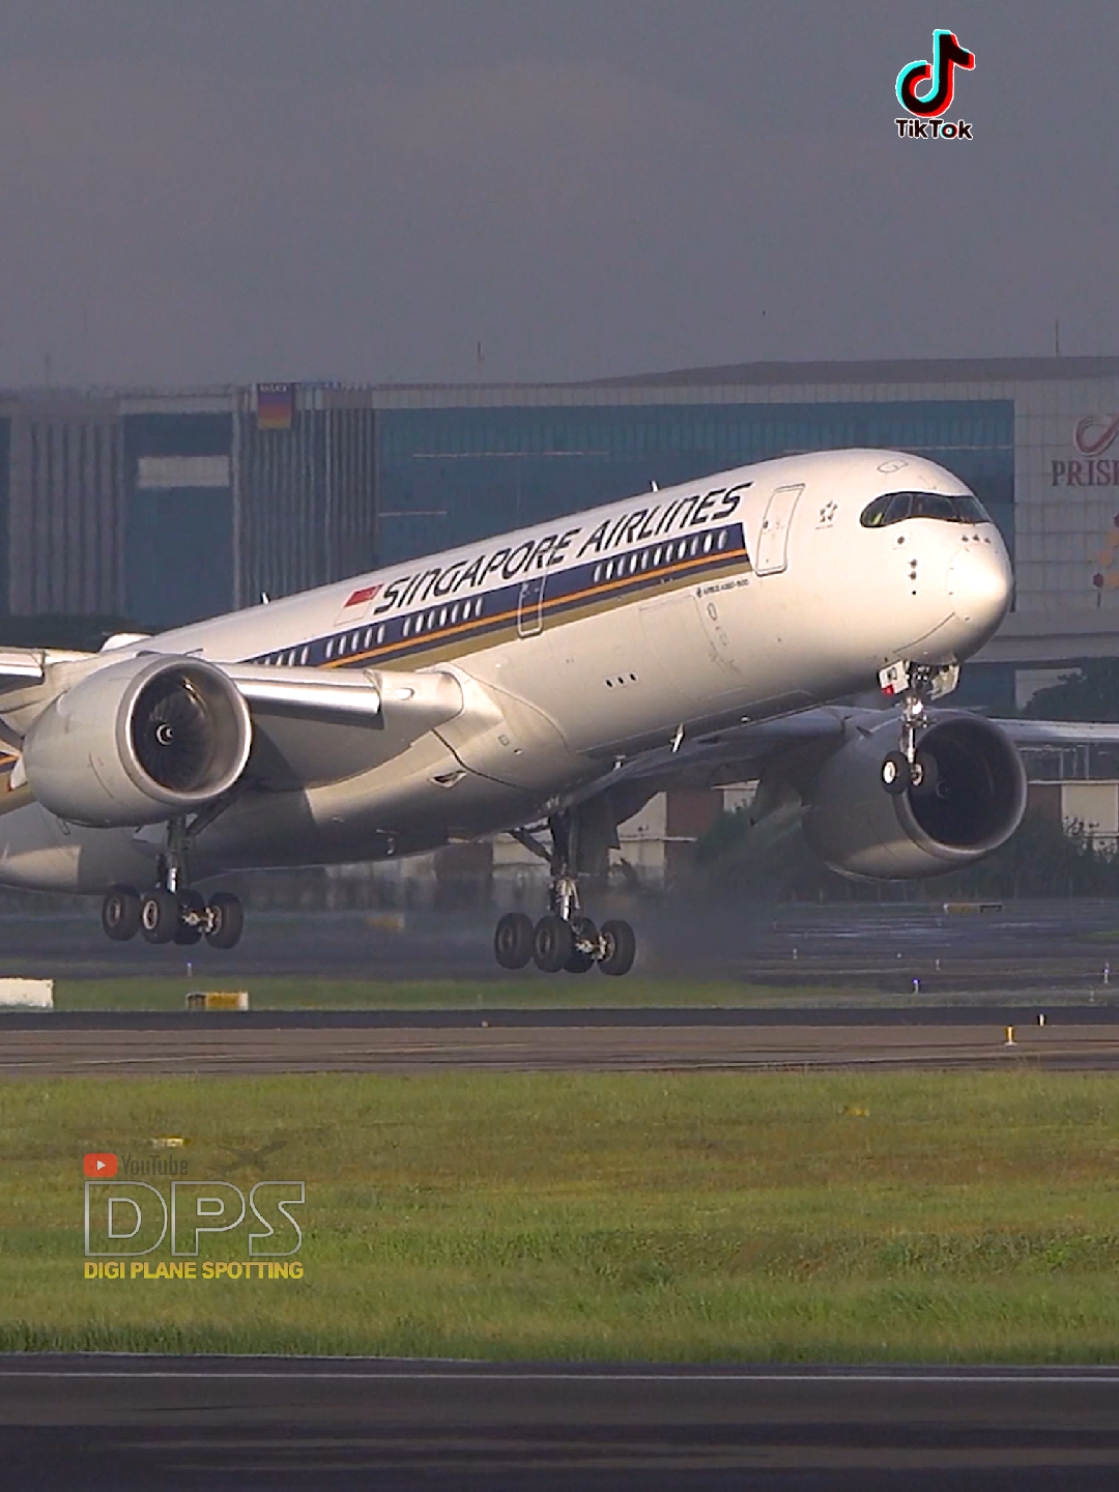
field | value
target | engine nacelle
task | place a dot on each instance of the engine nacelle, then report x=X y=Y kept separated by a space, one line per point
x=143 y=740
x=970 y=802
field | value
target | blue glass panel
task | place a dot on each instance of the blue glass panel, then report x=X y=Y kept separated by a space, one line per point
x=178 y=555
x=450 y=476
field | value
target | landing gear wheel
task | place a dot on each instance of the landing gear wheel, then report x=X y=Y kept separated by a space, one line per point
x=227 y=920
x=120 y=913
x=159 y=916
x=553 y=943
x=897 y=774
x=619 y=948
x=191 y=903
x=512 y=941
x=584 y=931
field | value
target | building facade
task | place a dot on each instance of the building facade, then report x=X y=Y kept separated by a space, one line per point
x=166 y=506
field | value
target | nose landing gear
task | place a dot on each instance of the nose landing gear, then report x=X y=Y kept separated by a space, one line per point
x=918 y=684
x=564 y=939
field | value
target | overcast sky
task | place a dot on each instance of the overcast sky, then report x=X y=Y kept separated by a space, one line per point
x=227 y=190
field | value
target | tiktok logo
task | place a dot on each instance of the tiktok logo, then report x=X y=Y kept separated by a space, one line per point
x=947 y=56
x=926 y=121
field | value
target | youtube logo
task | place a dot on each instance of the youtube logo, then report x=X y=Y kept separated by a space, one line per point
x=99 y=1165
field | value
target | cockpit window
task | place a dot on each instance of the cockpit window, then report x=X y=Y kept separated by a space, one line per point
x=895 y=507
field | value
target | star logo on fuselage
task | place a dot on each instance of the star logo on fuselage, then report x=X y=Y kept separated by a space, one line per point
x=827 y=513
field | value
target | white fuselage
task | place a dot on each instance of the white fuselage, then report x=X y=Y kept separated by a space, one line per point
x=752 y=593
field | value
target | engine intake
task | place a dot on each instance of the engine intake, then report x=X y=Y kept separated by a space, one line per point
x=970 y=801
x=143 y=740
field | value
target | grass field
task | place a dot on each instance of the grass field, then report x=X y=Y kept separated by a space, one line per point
x=946 y=1216
x=270 y=992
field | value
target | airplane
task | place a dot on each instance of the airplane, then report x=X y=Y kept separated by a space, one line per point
x=549 y=679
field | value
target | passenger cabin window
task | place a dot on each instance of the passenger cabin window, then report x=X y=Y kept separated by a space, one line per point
x=896 y=507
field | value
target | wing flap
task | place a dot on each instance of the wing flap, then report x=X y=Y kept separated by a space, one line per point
x=313 y=725
x=21 y=666
x=305 y=693
x=394 y=701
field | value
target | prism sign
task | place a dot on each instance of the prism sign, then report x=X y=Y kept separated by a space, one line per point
x=99 y=1165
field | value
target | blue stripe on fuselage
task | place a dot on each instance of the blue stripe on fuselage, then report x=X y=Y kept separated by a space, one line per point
x=549 y=594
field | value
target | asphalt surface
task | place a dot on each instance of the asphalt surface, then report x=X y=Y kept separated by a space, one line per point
x=47 y=1052
x=1102 y=1012
x=90 y=1423
x=1053 y=947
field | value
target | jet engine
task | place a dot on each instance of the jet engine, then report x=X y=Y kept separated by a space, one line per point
x=143 y=740
x=970 y=800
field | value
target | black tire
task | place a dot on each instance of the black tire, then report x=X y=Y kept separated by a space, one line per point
x=926 y=777
x=186 y=935
x=580 y=962
x=553 y=943
x=512 y=941
x=619 y=948
x=227 y=917
x=159 y=916
x=897 y=776
x=120 y=913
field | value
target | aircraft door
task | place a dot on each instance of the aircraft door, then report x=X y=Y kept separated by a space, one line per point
x=773 y=541
x=530 y=607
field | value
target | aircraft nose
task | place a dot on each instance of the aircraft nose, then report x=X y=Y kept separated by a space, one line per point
x=979 y=586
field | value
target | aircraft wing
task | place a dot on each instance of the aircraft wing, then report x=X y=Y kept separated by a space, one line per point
x=309 y=694
x=740 y=753
x=312 y=725
x=743 y=752
x=1061 y=732
x=270 y=691
x=23 y=669
x=20 y=666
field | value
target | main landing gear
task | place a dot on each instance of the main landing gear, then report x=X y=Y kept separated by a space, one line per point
x=172 y=912
x=163 y=916
x=918 y=684
x=563 y=939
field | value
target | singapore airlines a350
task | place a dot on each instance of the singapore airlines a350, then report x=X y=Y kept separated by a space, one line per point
x=545 y=682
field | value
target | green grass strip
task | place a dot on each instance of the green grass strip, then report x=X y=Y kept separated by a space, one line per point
x=951 y=1217
x=272 y=992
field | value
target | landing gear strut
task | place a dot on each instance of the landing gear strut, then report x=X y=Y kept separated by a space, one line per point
x=172 y=912
x=918 y=684
x=563 y=939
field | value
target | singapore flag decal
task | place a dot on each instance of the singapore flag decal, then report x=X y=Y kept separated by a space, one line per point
x=356 y=604
x=362 y=597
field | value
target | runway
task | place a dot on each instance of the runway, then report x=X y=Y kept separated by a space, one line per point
x=100 y=1422
x=492 y=1045
x=1043 y=948
x=1101 y=1013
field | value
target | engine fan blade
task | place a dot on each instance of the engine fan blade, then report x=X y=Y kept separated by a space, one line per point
x=173 y=733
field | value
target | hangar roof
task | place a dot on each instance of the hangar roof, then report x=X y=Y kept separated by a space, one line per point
x=897 y=370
